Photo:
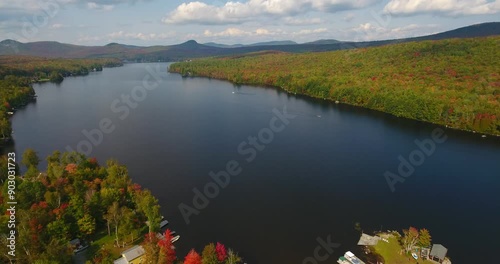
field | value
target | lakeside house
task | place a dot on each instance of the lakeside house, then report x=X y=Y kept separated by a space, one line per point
x=367 y=240
x=134 y=255
x=438 y=253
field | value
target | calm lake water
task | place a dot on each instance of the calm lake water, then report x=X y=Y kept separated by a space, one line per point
x=318 y=177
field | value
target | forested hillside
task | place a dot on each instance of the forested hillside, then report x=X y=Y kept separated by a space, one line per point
x=18 y=72
x=74 y=198
x=452 y=82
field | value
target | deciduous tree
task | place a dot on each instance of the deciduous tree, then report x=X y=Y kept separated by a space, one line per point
x=209 y=255
x=410 y=238
x=232 y=257
x=30 y=158
x=424 y=238
x=192 y=258
x=151 y=248
x=221 y=252
x=167 y=250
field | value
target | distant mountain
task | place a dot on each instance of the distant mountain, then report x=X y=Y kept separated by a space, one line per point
x=474 y=31
x=274 y=43
x=217 y=45
x=192 y=49
x=269 y=43
x=324 y=42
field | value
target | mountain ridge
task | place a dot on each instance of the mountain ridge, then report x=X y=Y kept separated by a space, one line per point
x=193 y=49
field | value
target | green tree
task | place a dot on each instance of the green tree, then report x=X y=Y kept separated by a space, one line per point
x=58 y=229
x=148 y=204
x=209 y=255
x=232 y=257
x=30 y=158
x=5 y=128
x=30 y=192
x=115 y=213
x=424 y=238
x=151 y=248
x=56 y=77
x=57 y=251
x=3 y=169
x=127 y=226
x=86 y=225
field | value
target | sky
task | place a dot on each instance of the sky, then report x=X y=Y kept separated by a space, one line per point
x=161 y=22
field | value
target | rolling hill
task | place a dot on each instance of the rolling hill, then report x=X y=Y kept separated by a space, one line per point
x=192 y=49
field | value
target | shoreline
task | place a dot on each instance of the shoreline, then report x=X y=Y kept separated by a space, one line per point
x=340 y=103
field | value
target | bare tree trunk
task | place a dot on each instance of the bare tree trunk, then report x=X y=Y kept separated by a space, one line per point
x=116 y=233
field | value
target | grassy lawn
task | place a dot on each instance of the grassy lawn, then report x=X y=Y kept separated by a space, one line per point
x=102 y=240
x=390 y=253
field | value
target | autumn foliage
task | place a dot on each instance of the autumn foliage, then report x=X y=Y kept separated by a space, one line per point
x=192 y=258
x=167 y=250
x=450 y=82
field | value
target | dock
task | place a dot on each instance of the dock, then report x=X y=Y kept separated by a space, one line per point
x=349 y=258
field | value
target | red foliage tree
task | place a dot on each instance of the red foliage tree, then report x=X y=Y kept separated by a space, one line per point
x=192 y=258
x=167 y=251
x=221 y=252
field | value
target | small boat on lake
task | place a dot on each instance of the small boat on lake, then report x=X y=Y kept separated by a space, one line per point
x=175 y=238
x=163 y=223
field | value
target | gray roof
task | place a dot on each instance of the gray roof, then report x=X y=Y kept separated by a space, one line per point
x=367 y=240
x=120 y=261
x=75 y=242
x=133 y=253
x=438 y=251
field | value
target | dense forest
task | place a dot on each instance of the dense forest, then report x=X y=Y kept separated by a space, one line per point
x=74 y=198
x=78 y=198
x=18 y=72
x=453 y=82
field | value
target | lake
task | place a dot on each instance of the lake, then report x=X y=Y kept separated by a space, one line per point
x=300 y=180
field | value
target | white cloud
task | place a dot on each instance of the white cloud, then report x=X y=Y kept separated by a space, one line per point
x=96 y=6
x=310 y=31
x=262 y=32
x=447 y=7
x=301 y=22
x=349 y=17
x=233 y=32
x=369 y=32
x=122 y=35
x=58 y=26
x=239 y=12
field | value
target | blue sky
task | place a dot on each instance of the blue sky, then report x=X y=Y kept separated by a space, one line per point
x=155 y=22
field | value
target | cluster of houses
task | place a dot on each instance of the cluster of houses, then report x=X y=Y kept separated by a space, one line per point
x=436 y=253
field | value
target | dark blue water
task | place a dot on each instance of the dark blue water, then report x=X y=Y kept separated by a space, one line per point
x=318 y=177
